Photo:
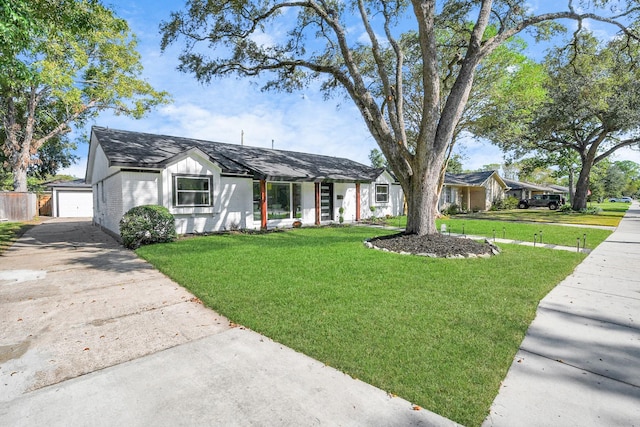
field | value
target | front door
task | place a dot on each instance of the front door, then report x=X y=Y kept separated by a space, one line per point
x=326 y=201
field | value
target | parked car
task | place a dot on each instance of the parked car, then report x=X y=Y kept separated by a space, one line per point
x=551 y=201
x=621 y=199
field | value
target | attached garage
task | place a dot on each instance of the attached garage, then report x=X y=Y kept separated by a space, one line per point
x=72 y=199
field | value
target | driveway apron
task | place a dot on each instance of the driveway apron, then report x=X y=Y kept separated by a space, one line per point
x=73 y=301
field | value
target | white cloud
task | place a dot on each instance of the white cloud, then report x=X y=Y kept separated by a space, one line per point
x=626 y=154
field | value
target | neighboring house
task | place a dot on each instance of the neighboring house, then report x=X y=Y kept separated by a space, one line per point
x=210 y=186
x=472 y=191
x=525 y=190
x=71 y=199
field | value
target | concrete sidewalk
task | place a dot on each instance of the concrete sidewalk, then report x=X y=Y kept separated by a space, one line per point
x=579 y=364
x=93 y=336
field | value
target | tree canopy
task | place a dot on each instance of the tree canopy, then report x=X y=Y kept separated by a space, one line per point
x=367 y=51
x=591 y=109
x=61 y=63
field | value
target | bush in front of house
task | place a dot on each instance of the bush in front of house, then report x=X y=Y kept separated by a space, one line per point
x=566 y=208
x=451 y=209
x=507 y=203
x=144 y=225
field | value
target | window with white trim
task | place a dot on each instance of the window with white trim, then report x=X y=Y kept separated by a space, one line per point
x=382 y=193
x=192 y=191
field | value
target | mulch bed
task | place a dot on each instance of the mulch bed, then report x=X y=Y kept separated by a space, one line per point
x=433 y=245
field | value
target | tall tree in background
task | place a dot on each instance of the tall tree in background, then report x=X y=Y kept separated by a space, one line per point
x=454 y=165
x=377 y=159
x=591 y=110
x=631 y=172
x=61 y=63
x=360 y=48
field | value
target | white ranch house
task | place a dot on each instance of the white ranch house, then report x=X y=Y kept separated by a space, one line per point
x=211 y=186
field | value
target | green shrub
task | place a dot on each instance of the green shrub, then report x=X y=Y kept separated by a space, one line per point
x=511 y=202
x=144 y=225
x=566 y=208
x=592 y=210
x=499 y=204
x=452 y=209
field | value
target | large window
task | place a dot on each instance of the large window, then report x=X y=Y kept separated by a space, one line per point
x=382 y=193
x=192 y=190
x=257 y=214
x=284 y=200
x=446 y=195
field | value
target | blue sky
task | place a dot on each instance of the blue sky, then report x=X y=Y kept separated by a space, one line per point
x=228 y=108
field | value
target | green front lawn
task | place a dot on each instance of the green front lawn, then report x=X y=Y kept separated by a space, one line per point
x=526 y=232
x=553 y=234
x=440 y=333
x=610 y=216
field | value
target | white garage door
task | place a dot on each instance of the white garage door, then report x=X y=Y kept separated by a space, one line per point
x=75 y=203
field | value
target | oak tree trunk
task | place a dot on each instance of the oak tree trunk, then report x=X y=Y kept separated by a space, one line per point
x=20 y=179
x=579 y=200
x=422 y=204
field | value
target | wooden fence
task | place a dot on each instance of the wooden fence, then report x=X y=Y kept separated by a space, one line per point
x=17 y=206
x=44 y=204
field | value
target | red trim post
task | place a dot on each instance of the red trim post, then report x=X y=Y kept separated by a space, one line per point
x=318 y=207
x=263 y=204
x=357 y=201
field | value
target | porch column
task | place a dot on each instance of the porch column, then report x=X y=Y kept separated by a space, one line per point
x=468 y=199
x=318 y=207
x=263 y=204
x=357 y=201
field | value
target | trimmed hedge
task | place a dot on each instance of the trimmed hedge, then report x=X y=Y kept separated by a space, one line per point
x=144 y=225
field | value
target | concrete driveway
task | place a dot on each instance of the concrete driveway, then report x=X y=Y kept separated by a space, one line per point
x=94 y=336
x=73 y=301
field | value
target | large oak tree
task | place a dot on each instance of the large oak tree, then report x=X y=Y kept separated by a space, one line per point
x=61 y=63
x=591 y=110
x=338 y=43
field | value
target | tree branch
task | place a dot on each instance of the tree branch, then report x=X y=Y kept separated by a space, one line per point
x=624 y=143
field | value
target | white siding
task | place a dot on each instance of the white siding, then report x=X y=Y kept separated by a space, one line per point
x=348 y=202
x=110 y=209
x=395 y=205
x=101 y=167
x=139 y=188
x=232 y=198
x=107 y=192
x=191 y=219
x=367 y=199
x=308 y=203
x=232 y=209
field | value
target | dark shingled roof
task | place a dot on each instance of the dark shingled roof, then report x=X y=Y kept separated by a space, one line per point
x=143 y=150
x=467 y=179
x=75 y=183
